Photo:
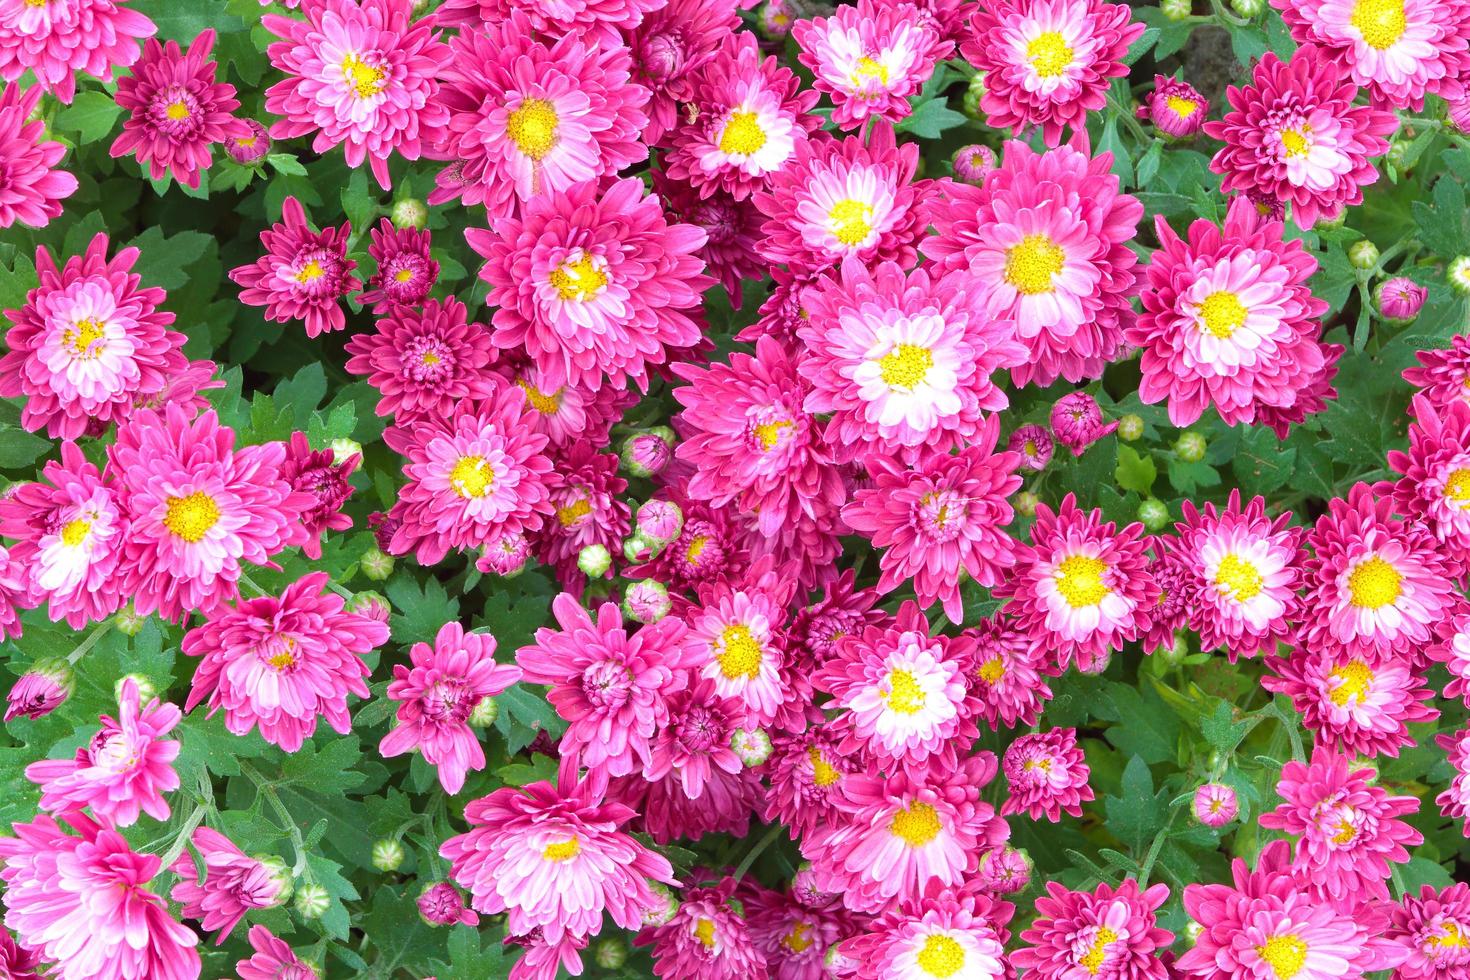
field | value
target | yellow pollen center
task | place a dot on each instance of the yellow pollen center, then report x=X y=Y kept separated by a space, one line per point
x=472 y=477
x=743 y=134
x=578 y=279
x=36 y=3
x=1381 y=22
x=1373 y=584
x=366 y=81
x=1049 y=54
x=824 y=774
x=1286 y=955
x=850 y=221
x=1222 y=313
x=310 y=272
x=532 y=128
x=696 y=548
x=176 y=111
x=573 y=512
x=1097 y=953
x=191 y=517
x=741 y=654
x=867 y=68
x=904 y=693
x=905 y=368
x=704 y=931
x=1031 y=765
x=992 y=670
x=1031 y=265
x=1345 y=834
x=1457 y=487
x=428 y=358
x=284 y=659
x=246 y=141
x=80 y=340
x=75 y=532
x=1181 y=107
x=798 y=940
x=941 y=957
x=769 y=432
x=1356 y=677
x=562 y=851
x=540 y=401
x=403 y=275
x=1238 y=579
x=1295 y=141
x=1079 y=580
x=917 y=825
x=1453 y=937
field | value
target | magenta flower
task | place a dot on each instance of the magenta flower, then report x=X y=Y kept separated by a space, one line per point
x=971 y=163
x=694 y=742
x=1311 y=399
x=17 y=963
x=436 y=696
x=1351 y=702
x=707 y=938
x=793 y=936
x=805 y=773
x=302 y=274
x=1103 y=932
x=272 y=959
x=1215 y=804
x=955 y=930
x=1047 y=774
x=1442 y=374
x=425 y=363
x=232 y=885
x=280 y=663
x=58 y=38
x=250 y=148
x=1435 y=486
x=670 y=48
x=667 y=813
x=1077 y=420
x=1454 y=652
x=1004 y=669
x=1454 y=802
x=406 y=270
x=1400 y=298
x=31 y=190
x=599 y=21
x=1434 y=926
x=587 y=508
x=360 y=73
x=737 y=634
x=732 y=229
x=1175 y=107
x=42 y=689
x=441 y=904
x=1033 y=444
x=316 y=472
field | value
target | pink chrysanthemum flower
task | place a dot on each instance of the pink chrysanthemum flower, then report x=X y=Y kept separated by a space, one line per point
x=1228 y=319
x=944 y=516
x=732 y=231
x=1215 y=804
x=280 y=663
x=553 y=858
x=362 y=73
x=17 y=963
x=805 y=773
x=1082 y=588
x=752 y=443
x=955 y=932
x=794 y=937
x=57 y=38
x=971 y=163
x=1176 y=598
x=178 y=110
x=252 y=147
x=1047 y=237
x=1454 y=802
x=611 y=687
x=1434 y=926
x=31 y=191
x=1295 y=135
x=752 y=117
x=707 y=938
x=1348 y=829
x=425 y=363
x=185 y=389
x=1400 y=298
x=1105 y=932
x=272 y=959
x=1048 y=63
x=903 y=364
x=1174 y=107
x=1311 y=399
x=1266 y=926
x=1435 y=486
x=87 y=343
x=83 y=904
x=1047 y=774
x=435 y=697
x=848 y=198
x=711 y=546
x=529 y=116
x=233 y=883
x=302 y=274
x=870 y=58
x=587 y=511
x=600 y=21
x=42 y=689
x=1376 y=584
x=1034 y=445
x=670 y=48
x=695 y=741
x=668 y=814
x=316 y=472
x=1453 y=651
x=441 y=904
x=566 y=413
x=198 y=509
x=1242 y=571
x=737 y=638
x=406 y=270
x=125 y=769
x=1443 y=375
x=1077 y=420
x=473 y=476
x=1005 y=673
x=595 y=285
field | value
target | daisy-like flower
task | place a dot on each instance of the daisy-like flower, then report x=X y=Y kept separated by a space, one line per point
x=1215 y=804
x=612 y=687
x=124 y=770
x=361 y=73
x=1228 y=319
x=710 y=546
x=670 y=48
x=178 y=111
x=1174 y=107
x=731 y=227
x=1267 y=926
x=233 y=883
x=473 y=475
x=668 y=814
x=869 y=58
x=1454 y=802
x=793 y=936
x=82 y=903
x=600 y=21
x=281 y=663
x=302 y=274
x=1434 y=926
x=737 y=637
x=1242 y=570
x=198 y=508
x=1400 y=299
x=1398 y=50
x=87 y=343
x=31 y=190
x=1047 y=774
x=940 y=517
x=1348 y=829
x=695 y=741
x=425 y=363
x=1047 y=236
x=706 y=938
x=1082 y=588
x=1048 y=63
x=752 y=116
x=317 y=473
x=1103 y=932
x=903 y=364
x=1435 y=486
x=530 y=116
x=553 y=858
x=958 y=933
x=1443 y=375
x=1453 y=651
x=1005 y=673
x=57 y=38
x=272 y=959
x=1295 y=136
x=406 y=270
x=435 y=697
x=1034 y=444
x=596 y=286
x=566 y=413
x=805 y=773
x=840 y=199
x=587 y=509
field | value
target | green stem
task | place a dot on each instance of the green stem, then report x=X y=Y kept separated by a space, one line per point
x=1154 y=848
x=755 y=851
x=97 y=633
x=182 y=840
x=247 y=580
x=263 y=786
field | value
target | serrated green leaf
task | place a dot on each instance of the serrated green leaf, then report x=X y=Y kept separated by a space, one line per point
x=1135 y=472
x=930 y=120
x=1135 y=816
x=91 y=116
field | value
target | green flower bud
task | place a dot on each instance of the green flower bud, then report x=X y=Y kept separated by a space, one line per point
x=1153 y=514
x=1398 y=152
x=594 y=560
x=344 y=449
x=1363 y=255
x=610 y=952
x=1248 y=8
x=971 y=102
x=1130 y=428
x=128 y=622
x=147 y=689
x=1459 y=274
x=376 y=565
x=1191 y=447
x=280 y=875
x=485 y=713
x=1176 y=9
x=1025 y=503
x=312 y=901
x=388 y=854
x=410 y=213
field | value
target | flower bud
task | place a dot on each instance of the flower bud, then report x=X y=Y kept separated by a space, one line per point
x=1077 y=422
x=1130 y=428
x=1215 y=804
x=441 y=904
x=1025 y=503
x=40 y=690
x=147 y=689
x=1363 y=254
x=1034 y=444
x=251 y=148
x=388 y=854
x=660 y=520
x=610 y=952
x=344 y=449
x=1459 y=274
x=638 y=548
x=1153 y=514
x=1005 y=870
x=1400 y=299
x=774 y=20
x=1190 y=446
x=973 y=162
x=1175 y=108
x=485 y=713
x=312 y=901
x=973 y=94
x=410 y=213
x=1398 y=152
x=376 y=565
x=647 y=601
x=128 y=622
x=1248 y=8
x=646 y=454
x=373 y=605
x=505 y=555
x=663 y=906
x=752 y=745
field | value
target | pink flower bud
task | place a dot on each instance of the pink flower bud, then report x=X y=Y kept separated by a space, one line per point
x=973 y=162
x=1215 y=804
x=661 y=520
x=251 y=148
x=40 y=690
x=1175 y=107
x=1034 y=444
x=1077 y=422
x=441 y=904
x=1401 y=299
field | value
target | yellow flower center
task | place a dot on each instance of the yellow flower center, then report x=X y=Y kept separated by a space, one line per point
x=574 y=511
x=1031 y=765
x=1238 y=579
x=906 y=366
x=246 y=141
x=867 y=68
x=80 y=340
x=941 y=957
x=562 y=851
x=191 y=517
x=741 y=655
x=1374 y=584
x=1381 y=22
x=1222 y=313
x=176 y=111
x=823 y=772
x=428 y=358
x=578 y=278
x=310 y=272
x=532 y=128
x=917 y=825
x=1345 y=834
x=1286 y=955
x=696 y=548
x=1453 y=937
x=1031 y=264
x=1079 y=580
x=992 y=670
x=403 y=275
x=798 y=940
x=704 y=931
x=1049 y=54
x=540 y=401
x=1295 y=141
x=75 y=532
x=1181 y=107
x=472 y=477
x=1097 y=953
x=286 y=657
x=904 y=693
x=850 y=221
x=743 y=134
x=1355 y=677
x=1457 y=487
x=769 y=432
x=365 y=80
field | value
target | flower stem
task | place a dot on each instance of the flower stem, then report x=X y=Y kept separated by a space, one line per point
x=97 y=633
x=755 y=851
x=268 y=791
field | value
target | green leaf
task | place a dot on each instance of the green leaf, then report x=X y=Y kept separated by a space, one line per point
x=419 y=609
x=303 y=392
x=183 y=21
x=91 y=116
x=1221 y=729
x=325 y=770
x=1135 y=472
x=1262 y=464
x=164 y=261
x=358 y=202
x=1146 y=727
x=541 y=769
x=930 y=119
x=524 y=711
x=20 y=449
x=1141 y=45
x=286 y=164
x=1122 y=160
x=328 y=873
x=1139 y=813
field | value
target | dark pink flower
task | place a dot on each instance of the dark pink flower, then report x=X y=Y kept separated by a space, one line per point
x=303 y=273
x=406 y=270
x=39 y=691
x=441 y=904
x=272 y=959
x=1047 y=774
x=1105 y=932
x=57 y=38
x=1174 y=107
x=425 y=363
x=670 y=47
x=707 y=938
x=232 y=883
x=1434 y=926
x=31 y=190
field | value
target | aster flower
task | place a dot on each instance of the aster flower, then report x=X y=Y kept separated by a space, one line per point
x=272 y=959
x=1174 y=107
x=425 y=363
x=1033 y=444
x=473 y=476
x=302 y=274
x=406 y=270
x=805 y=772
x=736 y=635
x=596 y=285
x=233 y=883
x=668 y=814
x=435 y=697
x=1047 y=774
x=870 y=58
x=587 y=510
x=600 y=21
x=1004 y=670
x=1433 y=926
x=251 y=146
x=1348 y=829
x=1047 y=237
x=198 y=509
x=1295 y=135
x=1082 y=588
x=731 y=227
x=1077 y=420
x=55 y=40
x=530 y=117
x=42 y=689
x=1215 y=804
x=611 y=687
x=31 y=190
x=361 y=73
x=1048 y=63
x=793 y=936
x=954 y=932
x=316 y=472
x=280 y=663
x=441 y=904
x=695 y=740
x=87 y=343
x=553 y=857
x=1435 y=486
x=1454 y=802
x=1443 y=375
x=706 y=938
x=670 y=48
x=1228 y=319
x=82 y=903
x=1080 y=933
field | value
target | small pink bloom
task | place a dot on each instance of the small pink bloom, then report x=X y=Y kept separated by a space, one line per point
x=406 y=270
x=232 y=883
x=441 y=904
x=1176 y=108
x=272 y=959
x=706 y=938
x=1079 y=935
x=1047 y=774
x=1215 y=804
x=302 y=274
x=1078 y=422
x=249 y=147
x=1401 y=298
x=39 y=691
x=426 y=362
x=31 y=190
